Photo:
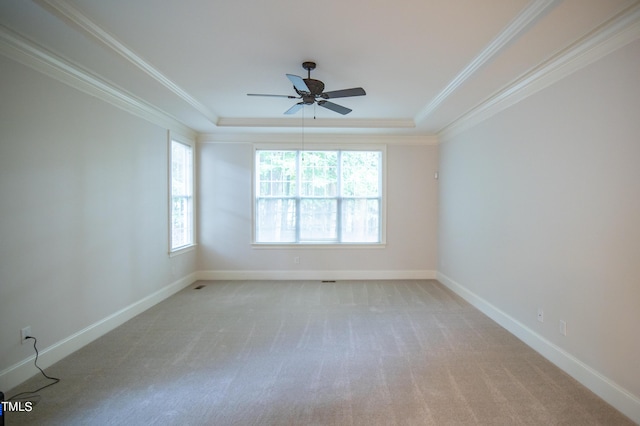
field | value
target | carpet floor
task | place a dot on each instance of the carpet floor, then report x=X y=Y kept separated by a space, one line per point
x=406 y=352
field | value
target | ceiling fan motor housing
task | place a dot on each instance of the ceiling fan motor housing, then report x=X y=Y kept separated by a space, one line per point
x=316 y=87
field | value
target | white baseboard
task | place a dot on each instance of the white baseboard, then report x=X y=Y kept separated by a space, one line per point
x=602 y=386
x=317 y=275
x=18 y=373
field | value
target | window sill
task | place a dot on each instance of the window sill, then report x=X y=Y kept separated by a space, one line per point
x=330 y=246
x=182 y=250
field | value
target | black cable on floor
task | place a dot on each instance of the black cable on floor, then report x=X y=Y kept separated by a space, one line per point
x=35 y=362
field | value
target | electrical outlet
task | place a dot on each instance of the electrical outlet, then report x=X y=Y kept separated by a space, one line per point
x=296 y=260
x=540 y=315
x=563 y=327
x=24 y=333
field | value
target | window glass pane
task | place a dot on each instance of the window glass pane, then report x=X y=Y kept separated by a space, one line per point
x=360 y=220
x=276 y=173
x=319 y=174
x=361 y=173
x=180 y=169
x=276 y=220
x=318 y=219
x=181 y=223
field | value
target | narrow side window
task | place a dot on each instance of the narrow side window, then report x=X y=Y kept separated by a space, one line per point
x=181 y=203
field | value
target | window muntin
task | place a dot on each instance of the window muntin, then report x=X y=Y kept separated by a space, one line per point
x=181 y=204
x=318 y=196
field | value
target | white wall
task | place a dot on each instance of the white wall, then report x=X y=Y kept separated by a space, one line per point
x=83 y=218
x=225 y=243
x=540 y=207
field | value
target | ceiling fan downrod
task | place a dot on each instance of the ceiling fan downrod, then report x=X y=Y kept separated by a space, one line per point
x=309 y=66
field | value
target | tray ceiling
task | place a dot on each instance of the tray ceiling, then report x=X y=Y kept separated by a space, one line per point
x=424 y=64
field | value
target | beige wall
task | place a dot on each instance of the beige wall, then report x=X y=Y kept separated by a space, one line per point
x=225 y=243
x=540 y=208
x=83 y=214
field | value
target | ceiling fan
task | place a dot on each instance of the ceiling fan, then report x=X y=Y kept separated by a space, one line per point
x=312 y=91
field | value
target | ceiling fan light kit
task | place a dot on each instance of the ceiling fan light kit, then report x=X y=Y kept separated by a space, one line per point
x=311 y=91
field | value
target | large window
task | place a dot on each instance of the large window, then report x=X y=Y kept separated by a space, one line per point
x=322 y=196
x=182 y=205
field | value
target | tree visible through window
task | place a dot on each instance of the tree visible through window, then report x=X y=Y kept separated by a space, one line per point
x=318 y=196
x=181 y=196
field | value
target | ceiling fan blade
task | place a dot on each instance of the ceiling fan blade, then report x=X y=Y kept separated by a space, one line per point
x=272 y=96
x=298 y=83
x=294 y=108
x=356 y=91
x=334 y=107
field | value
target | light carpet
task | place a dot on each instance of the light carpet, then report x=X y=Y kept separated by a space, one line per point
x=406 y=352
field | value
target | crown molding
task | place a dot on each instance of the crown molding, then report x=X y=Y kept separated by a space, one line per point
x=617 y=32
x=319 y=139
x=73 y=16
x=26 y=52
x=341 y=123
x=534 y=10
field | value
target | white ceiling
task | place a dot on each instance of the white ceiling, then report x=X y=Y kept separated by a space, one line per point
x=423 y=63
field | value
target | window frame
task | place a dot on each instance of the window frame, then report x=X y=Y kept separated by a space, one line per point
x=174 y=138
x=322 y=147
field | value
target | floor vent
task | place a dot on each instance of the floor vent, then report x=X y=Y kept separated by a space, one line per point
x=199 y=287
x=328 y=281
